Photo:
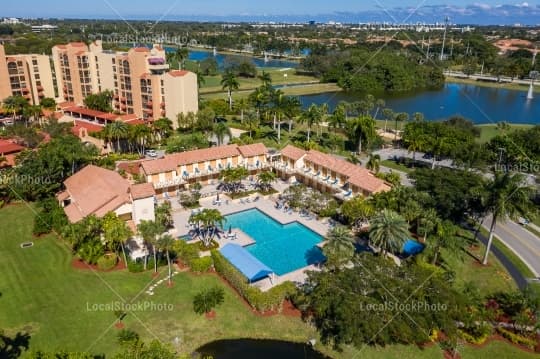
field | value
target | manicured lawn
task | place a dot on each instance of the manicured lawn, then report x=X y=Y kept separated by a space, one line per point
x=44 y=296
x=490 y=131
x=495 y=349
x=396 y=166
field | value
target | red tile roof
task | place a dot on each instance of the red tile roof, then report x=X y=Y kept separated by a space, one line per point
x=94 y=190
x=171 y=162
x=254 y=149
x=67 y=104
x=8 y=147
x=93 y=113
x=143 y=190
x=292 y=152
x=90 y=127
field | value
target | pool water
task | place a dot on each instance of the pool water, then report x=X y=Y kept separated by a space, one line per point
x=283 y=248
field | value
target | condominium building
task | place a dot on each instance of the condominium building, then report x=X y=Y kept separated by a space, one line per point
x=327 y=173
x=27 y=75
x=139 y=78
x=178 y=170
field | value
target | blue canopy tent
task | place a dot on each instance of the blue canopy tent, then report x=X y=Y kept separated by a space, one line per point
x=245 y=262
x=412 y=247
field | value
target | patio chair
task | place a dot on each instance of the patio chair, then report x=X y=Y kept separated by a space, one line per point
x=248 y=200
x=256 y=199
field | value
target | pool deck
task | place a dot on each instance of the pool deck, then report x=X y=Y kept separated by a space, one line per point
x=265 y=205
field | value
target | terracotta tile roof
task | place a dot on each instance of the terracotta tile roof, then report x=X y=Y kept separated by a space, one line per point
x=95 y=190
x=64 y=105
x=90 y=127
x=171 y=162
x=143 y=190
x=254 y=149
x=131 y=167
x=356 y=175
x=292 y=152
x=93 y=113
x=8 y=147
x=178 y=73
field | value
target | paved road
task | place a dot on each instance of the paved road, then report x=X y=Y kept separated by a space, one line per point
x=523 y=243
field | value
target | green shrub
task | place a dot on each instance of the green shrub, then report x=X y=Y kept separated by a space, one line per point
x=208 y=299
x=472 y=338
x=262 y=301
x=127 y=337
x=136 y=267
x=200 y=265
x=213 y=245
x=107 y=261
x=186 y=252
x=516 y=338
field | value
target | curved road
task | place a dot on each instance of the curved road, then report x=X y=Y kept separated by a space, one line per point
x=523 y=243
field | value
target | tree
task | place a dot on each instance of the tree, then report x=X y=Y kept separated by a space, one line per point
x=388 y=231
x=149 y=231
x=361 y=130
x=312 y=116
x=163 y=215
x=206 y=300
x=115 y=233
x=230 y=83
x=374 y=163
x=265 y=180
x=357 y=210
x=48 y=103
x=206 y=222
x=388 y=114
x=400 y=117
x=266 y=79
x=15 y=105
x=165 y=243
x=338 y=117
x=100 y=102
x=163 y=127
x=220 y=130
x=118 y=131
x=339 y=247
x=181 y=54
x=252 y=122
x=292 y=109
x=507 y=197
x=232 y=178
x=241 y=105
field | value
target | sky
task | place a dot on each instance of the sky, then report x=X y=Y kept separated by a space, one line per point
x=459 y=11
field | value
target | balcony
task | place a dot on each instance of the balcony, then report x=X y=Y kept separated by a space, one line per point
x=162 y=105
x=157 y=64
x=149 y=104
x=148 y=110
x=25 y=89
x=169 y=183
x=39 y=88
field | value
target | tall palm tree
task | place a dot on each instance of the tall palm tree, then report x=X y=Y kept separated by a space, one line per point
x=379 y=104
x=207 y=222
x=116 y=232
x=266 y=79
x=220 y=130
x=293 y=107
x=260 y=98
x=148 y=230
x=362 y=130
x=141 y=133
x=427 y=222
x=507 y=197
x=165 y=243
x=415 y=142
x=265 y=179
x=400 y=117
x=162 y=127
x=374 y=163
x=312 y=116
x=118 y=130
x=241 y=105
x=252 y=121
x=388 y=231
x=339 y=247
x=443 y=236
x=230 y=83
x=182 y=53
x=338 y=117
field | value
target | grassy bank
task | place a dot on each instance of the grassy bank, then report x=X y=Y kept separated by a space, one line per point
x=487 y=132
x=498 y=85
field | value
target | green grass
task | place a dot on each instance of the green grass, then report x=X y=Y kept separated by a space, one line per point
x=487 y=132
x=495 y=349
x=500 y=85
x=396 y=166
x=43 y=295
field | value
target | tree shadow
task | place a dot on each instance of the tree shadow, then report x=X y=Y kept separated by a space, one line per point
x=11 y=348
x=314 y=255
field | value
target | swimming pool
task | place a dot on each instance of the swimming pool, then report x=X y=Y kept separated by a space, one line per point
x=283 y=248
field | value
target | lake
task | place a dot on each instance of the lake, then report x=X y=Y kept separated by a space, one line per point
x=482 y=105
x=260 y=349
x=199 y=55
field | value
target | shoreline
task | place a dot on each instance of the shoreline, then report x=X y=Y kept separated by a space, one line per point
x=500 y=85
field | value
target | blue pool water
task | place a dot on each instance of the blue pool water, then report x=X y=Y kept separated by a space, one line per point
x=283 y=248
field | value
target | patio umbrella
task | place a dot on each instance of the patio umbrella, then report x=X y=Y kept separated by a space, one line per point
x=217 y=197
x=230 y=229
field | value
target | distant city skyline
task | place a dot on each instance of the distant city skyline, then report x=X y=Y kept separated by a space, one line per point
x=460 y=11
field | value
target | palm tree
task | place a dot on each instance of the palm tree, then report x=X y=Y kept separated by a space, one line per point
x=241 y=105
x=388 y=114
x=182 y=53
x=374 y=163
x=507 y=197
x=292 y=106
x=427 y=222
x=116 y=232
x=117 y=130
x=388 y=231
x=311 y=116
x=163 y=127
x=15 y=105
x=207 y=222
x=230 y=82
x=165 y=243
x=338 y=117
x=400 y=117
x=415 y=142
x=379 y=104
x=252 y=121
x=339 y=247
x=149 y=231
x=266 y=79
x=220 y=130
x=260 y=98
x=265 y=180
x=444 y=236
x=140 y=134
x=361 y=129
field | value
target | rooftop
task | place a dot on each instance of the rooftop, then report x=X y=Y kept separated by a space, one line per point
x=142 y=190
x=7 y=147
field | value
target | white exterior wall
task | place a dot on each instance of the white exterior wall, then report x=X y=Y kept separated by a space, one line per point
x=143 y=209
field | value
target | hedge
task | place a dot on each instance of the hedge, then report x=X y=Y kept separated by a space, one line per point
x=473 y=339
x=516 y=338
x=107 y=262
x=261 y=301
x=200 y=265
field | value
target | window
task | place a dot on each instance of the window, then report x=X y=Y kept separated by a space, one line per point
x=34 y=62
x=36 y=76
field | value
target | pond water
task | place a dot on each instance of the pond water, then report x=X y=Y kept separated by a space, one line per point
x=482 y=105
x=259 y=349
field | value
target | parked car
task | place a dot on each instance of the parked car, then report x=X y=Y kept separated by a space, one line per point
x=151 y=153
x=523 y=221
